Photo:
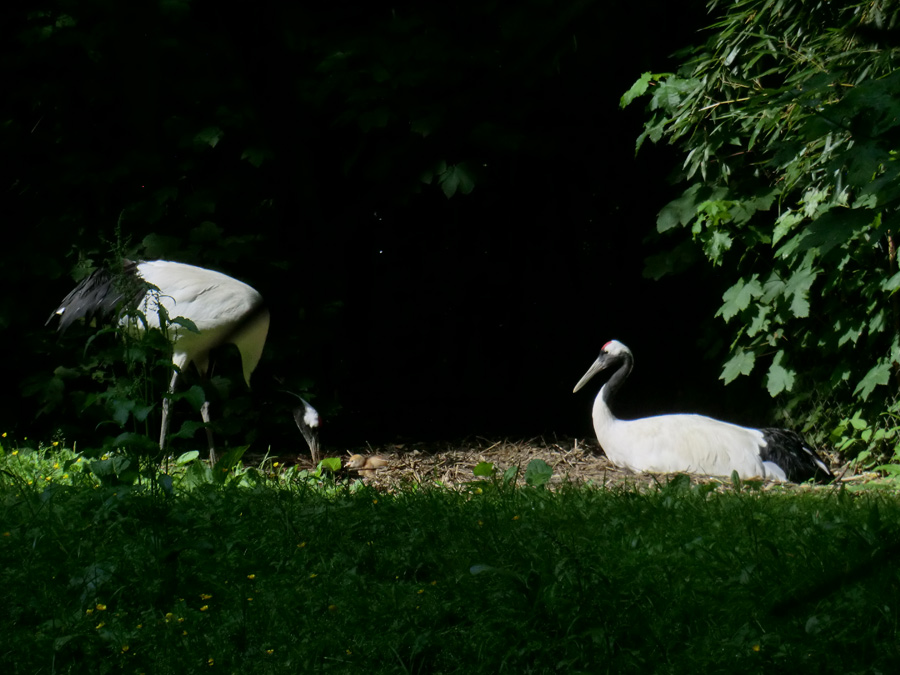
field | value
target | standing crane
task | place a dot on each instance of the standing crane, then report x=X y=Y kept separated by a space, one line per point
x=693 y=443
x=218 y=310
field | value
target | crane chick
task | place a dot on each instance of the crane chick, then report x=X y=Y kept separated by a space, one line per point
x=693 y=443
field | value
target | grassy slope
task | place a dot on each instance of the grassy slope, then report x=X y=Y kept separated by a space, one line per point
x=284 y=579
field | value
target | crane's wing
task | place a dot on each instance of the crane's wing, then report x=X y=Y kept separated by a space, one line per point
x=101 y=294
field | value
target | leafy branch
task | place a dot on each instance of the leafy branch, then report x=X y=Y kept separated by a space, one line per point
x=788 y=120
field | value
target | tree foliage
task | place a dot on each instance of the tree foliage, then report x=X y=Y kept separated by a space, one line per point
x=788 y=120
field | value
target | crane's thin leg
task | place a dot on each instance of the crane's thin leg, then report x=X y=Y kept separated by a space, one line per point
x=164 y=426
x=204 y=413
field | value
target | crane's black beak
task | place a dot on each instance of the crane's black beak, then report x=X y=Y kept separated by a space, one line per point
x=600 y=364
x=307 y=419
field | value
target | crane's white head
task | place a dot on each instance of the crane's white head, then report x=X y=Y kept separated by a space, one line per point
x=307 y=419
x=613 y=353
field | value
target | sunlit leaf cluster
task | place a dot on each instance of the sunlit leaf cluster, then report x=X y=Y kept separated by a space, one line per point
x=788 y=121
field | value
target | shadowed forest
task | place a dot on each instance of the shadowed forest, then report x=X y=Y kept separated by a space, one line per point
x=441 y=206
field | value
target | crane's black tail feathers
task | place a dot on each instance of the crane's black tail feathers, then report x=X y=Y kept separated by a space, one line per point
x=101 y=294
x=799 y=461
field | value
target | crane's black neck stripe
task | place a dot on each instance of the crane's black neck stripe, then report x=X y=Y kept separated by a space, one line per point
x=619 y=377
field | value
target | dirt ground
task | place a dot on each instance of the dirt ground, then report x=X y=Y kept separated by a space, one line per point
x=452 y=464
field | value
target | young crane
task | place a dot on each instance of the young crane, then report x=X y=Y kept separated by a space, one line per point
x=222 y=310
x=693 y=443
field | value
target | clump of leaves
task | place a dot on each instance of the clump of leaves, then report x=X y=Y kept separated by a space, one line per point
x=788 y=119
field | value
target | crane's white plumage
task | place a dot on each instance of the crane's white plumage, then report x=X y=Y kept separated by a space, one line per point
x=693 y=443
x=222 y=310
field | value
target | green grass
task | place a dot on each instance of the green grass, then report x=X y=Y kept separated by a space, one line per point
x=282 y=576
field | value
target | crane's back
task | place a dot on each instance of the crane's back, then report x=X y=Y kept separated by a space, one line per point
x=221 y=308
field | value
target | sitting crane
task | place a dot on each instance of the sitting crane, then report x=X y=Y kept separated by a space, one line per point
x=221 y=310
x=693 y=443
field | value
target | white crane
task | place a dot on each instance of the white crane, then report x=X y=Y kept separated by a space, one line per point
x=222 y=310
x=693 y=443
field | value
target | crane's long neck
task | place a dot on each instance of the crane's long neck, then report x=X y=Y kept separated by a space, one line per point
x=603 y=416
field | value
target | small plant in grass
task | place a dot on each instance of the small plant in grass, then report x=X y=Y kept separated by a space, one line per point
x=871 y=444
x=537 y=474
x=43 y=466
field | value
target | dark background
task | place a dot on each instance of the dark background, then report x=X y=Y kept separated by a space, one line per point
x=290 y=146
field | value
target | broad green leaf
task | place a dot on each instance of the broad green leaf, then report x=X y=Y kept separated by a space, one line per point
x=739 y=364
x=787 y=222
x=679 y=211
x=879 y=374
x=332 y=464
x=857 y=422
x=877 y=323
x=209 y=136
x=256 y=155
x=187 y=430
x=892 y=284
x=760 y=321
x=484 y=469
x=195 y=396
x=457 y=177
x=779 y=378
x=797 y=288
x=737 y=298
x=187 y=457
x=741 y=212
x=716 y=245
x=510 y=474
x=834 y=228
x=639 y=88
x=538 y=473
